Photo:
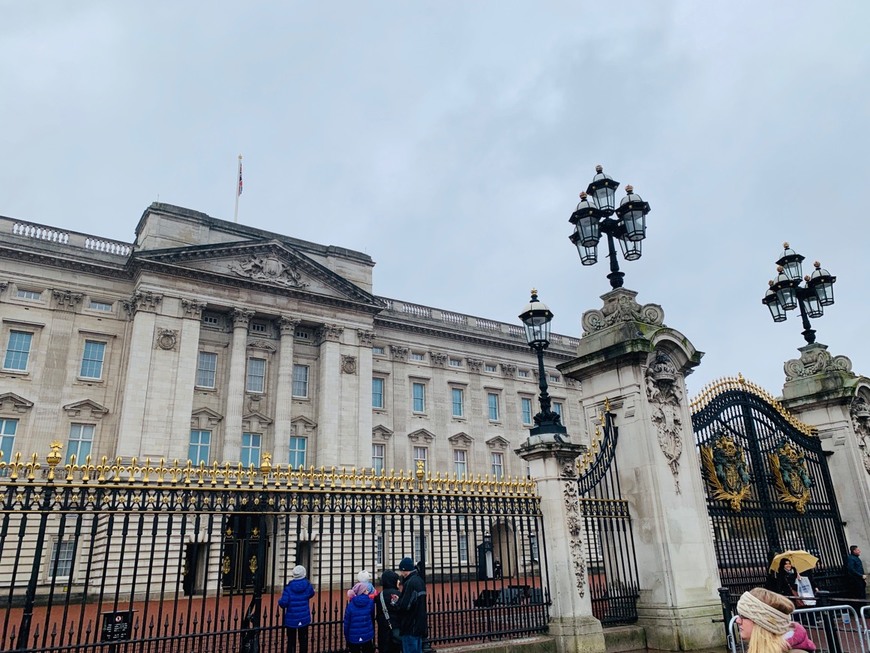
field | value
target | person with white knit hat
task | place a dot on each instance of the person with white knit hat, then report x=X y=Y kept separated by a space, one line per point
x=297 y=610
x=764 y=620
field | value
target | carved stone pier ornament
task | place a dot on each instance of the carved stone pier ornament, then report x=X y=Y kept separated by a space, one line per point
x=192 y=308
x=348 y=364
x=815 y=360
x=620 y=306
x=665 y=396
x=790 y=475
x=860 y=412
x=726 y=471
x=269 y=269
x=167 y=339
x=570 y=492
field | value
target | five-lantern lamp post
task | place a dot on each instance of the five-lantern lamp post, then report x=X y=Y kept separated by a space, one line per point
x=536 y=318
x=787 y=293
x=594 y=216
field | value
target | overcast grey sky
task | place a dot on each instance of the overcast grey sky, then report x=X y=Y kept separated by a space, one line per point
x=449 y=140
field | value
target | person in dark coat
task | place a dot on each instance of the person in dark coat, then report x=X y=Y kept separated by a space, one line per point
x=855 y=575
x=359 y=620
x=297 y=610
x=388 y=597
x=786 y=578
x=411 y=608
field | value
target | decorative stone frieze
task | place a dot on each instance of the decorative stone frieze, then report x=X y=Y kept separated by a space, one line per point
x=508 y=370
x=859 y=410
x=263 y=345
x=574 y=521
x=192 y=308
x=142 y=301
x=329 y=333
x=269 y=269
x=241 y=318
x=348 y=364
x=66 y=300
x=365 y=338
x=438 y=358
x=3 y=285
x=474 y=365
x=665 y=396
x=399 y=353
x=167 y=339
x=815 y=360
x=620 y=306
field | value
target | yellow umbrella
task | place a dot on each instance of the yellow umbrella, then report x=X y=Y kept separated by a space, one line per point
x=801 y=560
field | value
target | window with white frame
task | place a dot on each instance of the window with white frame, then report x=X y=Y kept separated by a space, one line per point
x=298 y=451
x=300 y=380
x=7 y=440
x=259 y=327
x=492 y=406
x=377 y=392
x=92 y=359
x=418 y=546
x=256 y=377
x=251 y=443
x=523 y=374
x=61 y=561
x=418 y=397
x=462 y=538
x=206 y=370
x=454 y=362
x=533 y=547
x=199 y=449
x=421 y=454
x=105 y=307
x=460 y=462
x=379 y=550
x=81 y=440
x=212 y=320
x=557 y=408
x=458 y=397
x=378 y=351
x=379 y=455
x=32 y=295
x=497 y=460
x=555 y=378
x=417 y=356
x=18 y=351
x=526 y=409
x=489 y=367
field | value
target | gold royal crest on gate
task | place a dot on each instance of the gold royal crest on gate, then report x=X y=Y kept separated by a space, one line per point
x=726 y=471
x=790 y=475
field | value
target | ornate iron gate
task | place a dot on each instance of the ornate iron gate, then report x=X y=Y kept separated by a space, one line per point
x=613 y=576
x=768 y=486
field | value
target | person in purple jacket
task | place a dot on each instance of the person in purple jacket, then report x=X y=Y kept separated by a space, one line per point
x=359 y=620
x=297 y=611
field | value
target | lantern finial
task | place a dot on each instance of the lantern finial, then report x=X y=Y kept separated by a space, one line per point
x=599 y=168
x=629 y=188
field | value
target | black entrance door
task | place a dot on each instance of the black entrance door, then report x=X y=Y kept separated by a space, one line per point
x=768 y=487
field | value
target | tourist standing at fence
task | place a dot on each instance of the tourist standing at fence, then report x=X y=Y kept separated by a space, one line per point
x=411 y=608
x=365 y=578
x=764 y=619
x=297 y=610
x=855 y=574
x=786 y=578
x=359 y=620
x=389 y=635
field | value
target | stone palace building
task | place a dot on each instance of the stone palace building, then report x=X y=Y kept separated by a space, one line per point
x=213 y=341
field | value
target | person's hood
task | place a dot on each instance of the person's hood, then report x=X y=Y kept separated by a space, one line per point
x=390 y=580
x=799 y=638
x=361 y=600
x=299 y=586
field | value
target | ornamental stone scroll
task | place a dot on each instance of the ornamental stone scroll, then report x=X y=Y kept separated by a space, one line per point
x=859 y=411
x=620 y=306
x=815 y=360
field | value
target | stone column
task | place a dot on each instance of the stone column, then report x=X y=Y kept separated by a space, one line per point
x=364 y=401
x=188 y=357
x=628 y=356
x=822 y=390
x=142 y=309
x=284 y=392
x=552 y=465
x=232 y=449
x=329 y=397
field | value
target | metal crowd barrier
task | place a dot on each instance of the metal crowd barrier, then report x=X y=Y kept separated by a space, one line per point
x=833 y=629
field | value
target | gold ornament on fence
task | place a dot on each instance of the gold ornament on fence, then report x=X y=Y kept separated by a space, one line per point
x=726 y=472
x=790 y=475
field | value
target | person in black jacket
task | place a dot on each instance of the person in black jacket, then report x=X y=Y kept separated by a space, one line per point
x=411 y=608
x=387 y=616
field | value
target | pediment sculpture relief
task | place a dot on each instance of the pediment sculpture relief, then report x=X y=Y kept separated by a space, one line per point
x=269 y=269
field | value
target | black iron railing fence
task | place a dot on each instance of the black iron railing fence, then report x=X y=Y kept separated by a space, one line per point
x=122 y=556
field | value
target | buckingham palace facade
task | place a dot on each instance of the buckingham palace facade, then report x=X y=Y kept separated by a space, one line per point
x=207 y=340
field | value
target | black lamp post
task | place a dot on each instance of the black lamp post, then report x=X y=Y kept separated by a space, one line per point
x=593 y=217
x=786 y=292
x=537 y=317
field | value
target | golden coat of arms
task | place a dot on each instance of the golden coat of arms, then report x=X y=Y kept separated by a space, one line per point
x=790 y=475
x=725 y=469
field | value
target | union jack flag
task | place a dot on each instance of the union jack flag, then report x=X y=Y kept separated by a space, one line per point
x=241 y=185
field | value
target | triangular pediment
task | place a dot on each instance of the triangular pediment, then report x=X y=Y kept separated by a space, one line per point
x=205 y=418
x=460 y=439
x=13 y=403
x=302 y=426
x=498 y=443
x=259 y=263
x=86 y=408
x=381 y=433
x=421 y=435
x=255 y=420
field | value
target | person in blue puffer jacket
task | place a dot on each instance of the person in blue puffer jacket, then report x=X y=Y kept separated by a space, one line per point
x=297 y=611
x=359 y=620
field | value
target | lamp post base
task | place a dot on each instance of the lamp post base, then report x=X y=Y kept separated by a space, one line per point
x=616 y=279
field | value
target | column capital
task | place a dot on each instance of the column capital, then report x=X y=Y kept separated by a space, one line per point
x=329 y=333
x=241 y=317
x=287 y=325
x=192 y=308
x=438 y=358
x=142 y=301
x=66 y=299
x=366 y=338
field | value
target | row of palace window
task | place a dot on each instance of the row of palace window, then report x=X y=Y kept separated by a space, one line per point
x=490 y=368
x=20 y=344
x=255 y=374
x=457 y=403
x=79 y=444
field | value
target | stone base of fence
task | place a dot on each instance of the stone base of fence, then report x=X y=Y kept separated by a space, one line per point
x=577 y=634
x=624 y=638
x=542 y=644
x=695 y=628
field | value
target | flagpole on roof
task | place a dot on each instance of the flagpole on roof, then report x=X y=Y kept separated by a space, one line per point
x=238 y=191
